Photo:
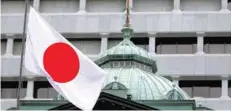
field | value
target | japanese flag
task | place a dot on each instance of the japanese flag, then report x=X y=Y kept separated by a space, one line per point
x=69 y=71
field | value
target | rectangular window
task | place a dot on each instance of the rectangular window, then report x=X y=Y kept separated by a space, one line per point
x=113 y=42
x=229 y=85
x=17 y=47
x=87 y=46
x=141 y=42
x=59 y=6
x=152 y=5
x=42 y=89
x=200 y=5
x=229 y=5
x=206 y=89
x=176 y=45
x=105 y=5
x=3 y=46
x=9 y=89
x=217 y=45
x=13 y=6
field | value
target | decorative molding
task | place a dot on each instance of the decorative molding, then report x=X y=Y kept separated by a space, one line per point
x=10 y=36
x=152 y=34
x=200 y=34
x=104 y=35
x=175 y=77
x=224 y=77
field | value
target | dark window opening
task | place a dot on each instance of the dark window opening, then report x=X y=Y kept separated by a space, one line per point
x=13 y=84
x=229 y=90
x=176 y=45
x=40 y=84
x=9 y=89
x=217 y=45
x=206 y=89
x=140 y=40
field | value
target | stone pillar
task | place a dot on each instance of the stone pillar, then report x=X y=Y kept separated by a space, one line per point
x=152 y=42
x=200 y=42
x=176 y=80
x=176 y=6
x=36 y=4
x=104 y=41
x=224 y=87
x=9 y=44
x=224 y=5
x=82 y=6
x=30 y=88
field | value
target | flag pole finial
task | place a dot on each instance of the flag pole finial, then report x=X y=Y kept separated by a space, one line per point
x=127 y=14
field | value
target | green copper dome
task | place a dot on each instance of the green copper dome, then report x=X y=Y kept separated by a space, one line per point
x=131 y=71
x=143 y=85
x=126 y=47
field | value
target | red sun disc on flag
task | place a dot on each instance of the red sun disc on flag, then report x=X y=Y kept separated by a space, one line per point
x=61 y=62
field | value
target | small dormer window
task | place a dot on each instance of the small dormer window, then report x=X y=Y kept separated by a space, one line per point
x=174 y=94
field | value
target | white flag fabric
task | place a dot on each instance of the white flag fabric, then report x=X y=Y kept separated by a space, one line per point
x=69 y=71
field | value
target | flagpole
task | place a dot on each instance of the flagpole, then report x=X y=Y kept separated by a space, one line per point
x=22 y=53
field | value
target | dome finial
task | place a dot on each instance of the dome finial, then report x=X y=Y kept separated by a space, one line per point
x=115 y=78
x=127 y=30
x=173 y=85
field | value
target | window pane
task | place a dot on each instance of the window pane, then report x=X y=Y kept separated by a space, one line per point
x=59 y=6
x=87 y=46
x=201 y=92
x=102 y=5
x=17 y=48
x=52 y=93
x=216 y=48
x=3 y=46
x=42 y=93
x=184 y=49
x=230 y=92
x=228 y=48
x=188 y=90
x=113 y=42
x=215 y=92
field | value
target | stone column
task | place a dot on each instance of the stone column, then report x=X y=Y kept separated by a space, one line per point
x=36 y=4
x=224 y=5
x=82 y=6
x=152 y=43
x=104 y=41
x=200 y=42
x=176 y=6
x=224 y=87
x=176 y=80
x=9 y=44
x=30 y=88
